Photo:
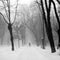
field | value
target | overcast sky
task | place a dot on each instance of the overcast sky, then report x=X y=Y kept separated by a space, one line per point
x=22 y=1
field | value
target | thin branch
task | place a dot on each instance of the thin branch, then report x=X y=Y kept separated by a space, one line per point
x=58 y=1
x=15 y=12
x=55 y=12
x=8 y=5
x=37 y=2
x=5 y=8
x=3 y=17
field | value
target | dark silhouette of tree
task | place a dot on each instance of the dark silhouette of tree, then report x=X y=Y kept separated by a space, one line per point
x=58 y=20
x=48 y=23
x=57 y=17
x=49 y=30
x=8 y=14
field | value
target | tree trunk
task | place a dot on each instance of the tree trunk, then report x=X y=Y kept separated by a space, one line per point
x=49 y=33
x=43 y=38
x=11 y=35
x=50 y=38
x=48 y=26
x=58 y=20
x=58 y=37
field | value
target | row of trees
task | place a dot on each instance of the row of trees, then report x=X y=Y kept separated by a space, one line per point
x=22 y=15
x=46 y=13
x=7 y=8
x=28 y=17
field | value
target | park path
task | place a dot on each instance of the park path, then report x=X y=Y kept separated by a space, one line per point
x=30 y=53
x=27 y=53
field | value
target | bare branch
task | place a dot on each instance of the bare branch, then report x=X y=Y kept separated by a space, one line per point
x=8 y=5
x=3 y=17
x=15 y=12
x=5 y=8
x=44 y=16
x=55 y=12
x=58 y=1
x=38 y=3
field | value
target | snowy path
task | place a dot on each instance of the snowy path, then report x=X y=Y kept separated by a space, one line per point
x=27 y=53
x=31 y=54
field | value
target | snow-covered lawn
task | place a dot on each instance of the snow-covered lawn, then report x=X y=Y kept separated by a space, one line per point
x=28 y=53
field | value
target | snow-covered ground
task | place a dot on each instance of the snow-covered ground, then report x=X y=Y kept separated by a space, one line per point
x=28 y=53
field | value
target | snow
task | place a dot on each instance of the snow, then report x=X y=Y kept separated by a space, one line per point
x=27 y=53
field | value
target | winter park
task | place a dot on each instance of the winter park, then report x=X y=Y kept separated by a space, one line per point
x=29 y=30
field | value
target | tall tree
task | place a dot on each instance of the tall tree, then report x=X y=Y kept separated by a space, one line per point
x=49 y=31
x=58 y=20
x=57 y=17
x=46 y=19
x=43 y=38
x=8 y=14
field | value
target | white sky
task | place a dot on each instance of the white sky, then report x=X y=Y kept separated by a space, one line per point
x=22 y=1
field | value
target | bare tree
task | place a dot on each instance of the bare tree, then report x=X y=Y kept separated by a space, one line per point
x=46 y=19
x=57 y=17
x=43 y=38
x=8 y=14
x=58 y=20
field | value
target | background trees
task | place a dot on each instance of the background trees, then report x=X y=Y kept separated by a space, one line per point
x=57 y=17
x=46 y=9
x=34 y=18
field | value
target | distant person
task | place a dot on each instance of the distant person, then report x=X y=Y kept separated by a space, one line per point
x=29 y=44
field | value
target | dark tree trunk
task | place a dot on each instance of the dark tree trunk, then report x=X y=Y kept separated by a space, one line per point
x=11 y=35
x=50 y=38
x=48 y=27
x=58 y=20
x=49 y=34
x=49 y=30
